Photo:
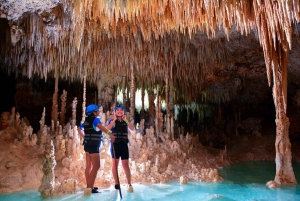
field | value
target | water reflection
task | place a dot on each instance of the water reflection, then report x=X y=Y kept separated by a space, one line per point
x=242 y=182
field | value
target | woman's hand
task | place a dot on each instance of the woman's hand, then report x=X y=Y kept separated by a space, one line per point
x=115 y=117
x=112 y=137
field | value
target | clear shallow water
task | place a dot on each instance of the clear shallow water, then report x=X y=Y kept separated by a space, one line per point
x=242 y=182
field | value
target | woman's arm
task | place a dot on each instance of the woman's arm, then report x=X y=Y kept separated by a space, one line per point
x=131 y=127
x=111 y=124
x=81 y=132
x=107 y=131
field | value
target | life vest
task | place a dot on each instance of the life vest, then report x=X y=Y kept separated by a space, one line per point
x=91 y=137
x=120 y=131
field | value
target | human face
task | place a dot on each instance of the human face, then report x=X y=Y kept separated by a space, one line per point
x=119 y=112
x=97 y=113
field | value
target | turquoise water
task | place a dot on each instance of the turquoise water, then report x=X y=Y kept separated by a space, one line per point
x=244 y=181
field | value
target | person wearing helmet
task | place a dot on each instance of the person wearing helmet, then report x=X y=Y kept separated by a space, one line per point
x=91 y=131
x=119 y=126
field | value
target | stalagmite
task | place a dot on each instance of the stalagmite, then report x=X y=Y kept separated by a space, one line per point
x=47 y=185
x=54 y=113
x=276 y=56
x=73 y=119
x=63 y=99
x=284 y=170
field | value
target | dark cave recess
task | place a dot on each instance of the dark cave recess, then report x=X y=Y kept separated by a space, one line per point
x=30 y=96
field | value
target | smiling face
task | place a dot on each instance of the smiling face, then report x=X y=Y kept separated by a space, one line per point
x=119 y=112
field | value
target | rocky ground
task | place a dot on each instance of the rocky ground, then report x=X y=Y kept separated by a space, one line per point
x=21 y=165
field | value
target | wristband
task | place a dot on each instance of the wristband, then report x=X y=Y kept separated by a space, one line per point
x=108 y=132
x=126 y=122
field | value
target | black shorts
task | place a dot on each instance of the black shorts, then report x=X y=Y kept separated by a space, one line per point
x=121 y=150
x=91 y=149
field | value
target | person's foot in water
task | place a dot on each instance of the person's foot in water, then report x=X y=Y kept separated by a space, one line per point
x=95 y=190
x=129 y=188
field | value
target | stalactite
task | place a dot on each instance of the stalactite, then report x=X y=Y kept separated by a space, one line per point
x=86 y=29
x=83 y=100
x=107 y=35
x=275 y=49
x=100 y=86
x=132 y=95
x=157 y=112
x=151 y=98
x=160 y=116
x=127 y=103
x=167 y=91
x=142 y=114
x=78 y=18
x=284 y=169
x=171 y=105
x=109 y=96
x=124 y=90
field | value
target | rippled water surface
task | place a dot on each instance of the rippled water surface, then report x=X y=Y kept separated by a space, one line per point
x=242 y=181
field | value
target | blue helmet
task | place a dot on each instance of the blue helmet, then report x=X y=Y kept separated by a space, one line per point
x=91 y=108
x=118 y=106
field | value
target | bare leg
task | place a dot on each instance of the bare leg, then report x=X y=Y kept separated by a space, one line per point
x=88 y=167
x=126 y=169
x=95 y=161
x=114 y=169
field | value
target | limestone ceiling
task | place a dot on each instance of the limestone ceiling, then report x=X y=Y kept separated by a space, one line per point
x=183 y=41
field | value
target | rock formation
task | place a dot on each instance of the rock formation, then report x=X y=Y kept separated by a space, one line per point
x=184 y=52
x=57 y=160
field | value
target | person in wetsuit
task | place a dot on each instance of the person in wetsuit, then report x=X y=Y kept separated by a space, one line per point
x=91 y=131
x=119 y=126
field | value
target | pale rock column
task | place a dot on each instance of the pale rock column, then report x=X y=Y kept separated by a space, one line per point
x=48 y=181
